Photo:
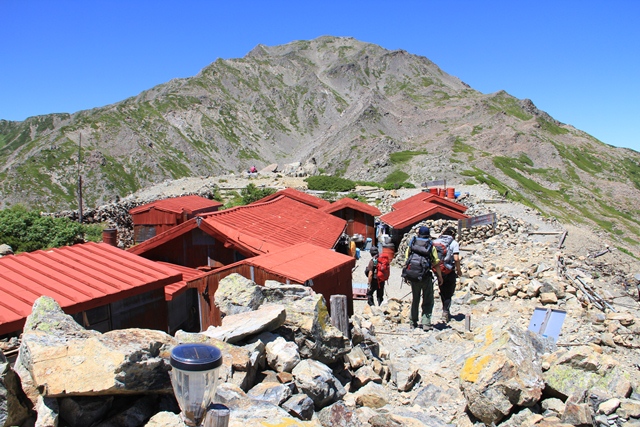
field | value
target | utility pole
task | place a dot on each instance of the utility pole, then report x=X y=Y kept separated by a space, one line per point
x=80 y=219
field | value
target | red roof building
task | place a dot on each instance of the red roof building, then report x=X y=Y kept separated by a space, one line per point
x=360 y=216
x=419 y=210
x=104 y=287
x=420 y=207
x=325 y=271
x=429 y=197
x=227 y=236
x=154 y=218
x=299 y=196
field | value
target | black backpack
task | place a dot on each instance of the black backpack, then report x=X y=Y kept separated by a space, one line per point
x=418 y=263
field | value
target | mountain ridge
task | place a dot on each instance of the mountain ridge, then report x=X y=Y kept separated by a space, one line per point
x=349 y=105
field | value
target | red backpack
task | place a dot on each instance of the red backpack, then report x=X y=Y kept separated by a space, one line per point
x=383 y=268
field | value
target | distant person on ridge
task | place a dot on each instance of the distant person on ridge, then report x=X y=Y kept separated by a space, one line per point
x=421 y=256
x=449 y=267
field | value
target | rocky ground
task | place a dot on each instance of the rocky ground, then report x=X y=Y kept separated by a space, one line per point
x=442 y=377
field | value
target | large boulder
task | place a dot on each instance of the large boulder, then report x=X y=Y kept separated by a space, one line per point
x=237 y=327
x=504 y=372
x=62 y=358
x=237 y=294
x=308 y=324
x=317 y=381
x=581 y=368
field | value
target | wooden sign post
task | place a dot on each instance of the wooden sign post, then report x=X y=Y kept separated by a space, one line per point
x=476 y=221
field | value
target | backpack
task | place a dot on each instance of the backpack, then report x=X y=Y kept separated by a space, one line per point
x=442 y=244
x=419 y=260
x=383 y=268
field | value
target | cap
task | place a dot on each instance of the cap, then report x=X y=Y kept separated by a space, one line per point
x=424 y=231
x=373 y=250
x=195 y=357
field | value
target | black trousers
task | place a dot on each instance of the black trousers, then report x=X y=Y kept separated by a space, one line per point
x=447 y=290
x=375 y=288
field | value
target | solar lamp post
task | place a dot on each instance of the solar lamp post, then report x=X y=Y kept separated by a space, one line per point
x=194 y=377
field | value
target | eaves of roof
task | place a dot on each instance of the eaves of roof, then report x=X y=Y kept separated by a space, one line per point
x=78 y=277
x=191 y=204
x=347 y=202
x=417 y=211
x=428 y=197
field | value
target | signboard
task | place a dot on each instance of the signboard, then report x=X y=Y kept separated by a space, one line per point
x=547 y=322
x=476 y=221
x=439 y=183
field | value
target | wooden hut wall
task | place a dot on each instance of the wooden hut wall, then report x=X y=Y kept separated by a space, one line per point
x=194 y=249
x=357 y=222
x=147 y=311
x=183 y=312
x=153 y=222
x=335 y=282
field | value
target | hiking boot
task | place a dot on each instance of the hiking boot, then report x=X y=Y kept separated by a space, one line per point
x=414 y=325
x=446 y=316
x=427 y=328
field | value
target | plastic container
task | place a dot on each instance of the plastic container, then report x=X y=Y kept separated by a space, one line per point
x=451 y=193
x=194 y=377
x=456 y=194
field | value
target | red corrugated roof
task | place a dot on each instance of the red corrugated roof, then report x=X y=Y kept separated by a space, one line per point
x=281 y=222
x=417 y=211
x=260 y=227
x=175 y=289
x=300 y=196
x=428 y=197
x=301 y=262
x=348 y=202
x=78 y=277
x=189 y=204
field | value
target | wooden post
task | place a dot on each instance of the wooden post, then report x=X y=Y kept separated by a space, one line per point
x=339 y=317
x=467 y=322
x=217 y=416
x=564 y=236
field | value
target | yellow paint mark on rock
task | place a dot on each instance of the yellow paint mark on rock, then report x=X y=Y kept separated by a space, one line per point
x=473 y=367
x=288 y=422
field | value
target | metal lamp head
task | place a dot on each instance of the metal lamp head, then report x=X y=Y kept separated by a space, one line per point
x=194 y=377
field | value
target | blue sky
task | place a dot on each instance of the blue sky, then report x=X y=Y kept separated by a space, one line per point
x=577 y=60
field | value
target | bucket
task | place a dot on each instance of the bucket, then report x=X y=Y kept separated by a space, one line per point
x=451 y=193
x=110 y=236
x=433 y=190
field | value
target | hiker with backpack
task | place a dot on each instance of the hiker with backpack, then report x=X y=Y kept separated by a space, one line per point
x=377 y=272
x=421 y=256
x=449 y=253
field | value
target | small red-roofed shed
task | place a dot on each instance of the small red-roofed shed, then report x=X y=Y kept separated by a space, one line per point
x=327 y=272
x=360 y=216
x=103 y=287
x=418 y=208
x=154 y=218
